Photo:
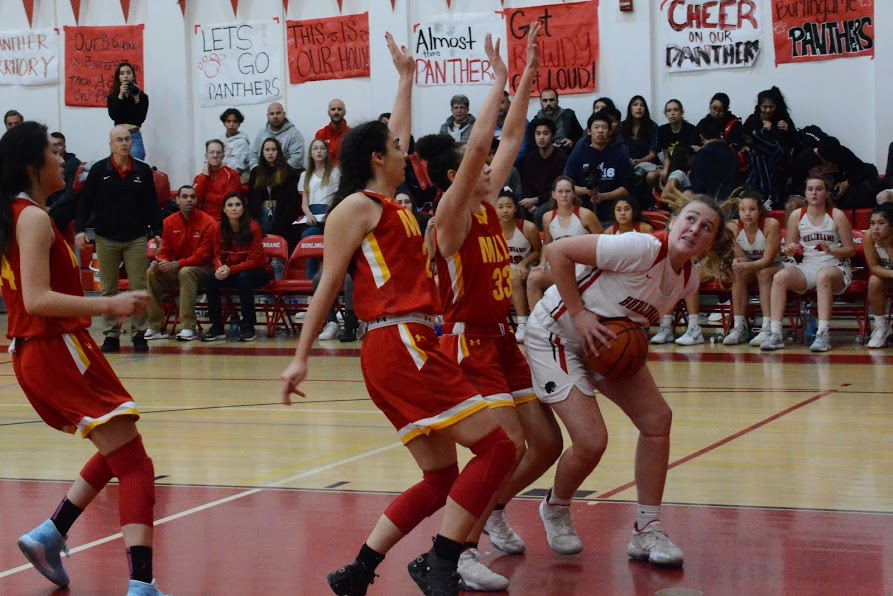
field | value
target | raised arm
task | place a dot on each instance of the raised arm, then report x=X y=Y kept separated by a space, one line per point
x=400 y=122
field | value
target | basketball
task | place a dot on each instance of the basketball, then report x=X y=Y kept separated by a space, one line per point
x=627 y=352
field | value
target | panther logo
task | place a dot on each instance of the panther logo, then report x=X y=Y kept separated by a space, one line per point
x=550 y=387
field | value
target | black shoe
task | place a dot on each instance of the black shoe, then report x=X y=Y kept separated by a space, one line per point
x=351 y=580
x=139 y=343
x=349 y=333
x=111 y=344
x=434 y=576
x=247 y=334
x=213 y=334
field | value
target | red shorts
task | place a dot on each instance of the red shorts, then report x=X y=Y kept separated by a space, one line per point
x=416 y=386
x=493 y=364
x=79 y=390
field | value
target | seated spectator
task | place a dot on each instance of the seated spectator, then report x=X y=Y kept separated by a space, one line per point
x=524 y=244
x=885 y=194
x=333 y=132
x=236 y=145
x=854 y=181
x=460 y=122
x=538 y=169
x=715 y=166
x=273 y=199
x=732 y=129
x=514 y=179
x=12 y=119
x=215 y=181
x=63 y=205
x=240 y=263
x=878 y=244
x=290 y=139
x=674 y=173
x=628 y=218
x=770 y=139
x=405 y=199
x=676 y=133
x=568 y=131
x=317 y=186
x=182 y=265
x=639 y=134
x=601 y=174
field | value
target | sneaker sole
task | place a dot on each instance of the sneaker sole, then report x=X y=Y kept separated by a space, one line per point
x=567 y=552
x=36 y=555
x=639 y=555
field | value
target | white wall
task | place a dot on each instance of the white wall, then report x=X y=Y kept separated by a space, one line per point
x=845 y=97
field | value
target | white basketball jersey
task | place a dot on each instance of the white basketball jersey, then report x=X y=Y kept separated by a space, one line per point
x=574 y=226
x=519 y=246
x=811 y=236
x=754 y=251
x=633 y=279
x=883 y=256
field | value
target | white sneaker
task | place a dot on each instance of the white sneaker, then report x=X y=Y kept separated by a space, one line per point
x=560 y=532
x=736 y=336
x=476 y=576
x=822 y=342
x=519 y=332
x=664 y=335
x=501 y=535
x=652 y=544
x=151 y=334
x=330 y=331
x=760 y=337
x=773 y=342
x=691 y=337
x=186 y=335
x=879 y=337
x=716 y=317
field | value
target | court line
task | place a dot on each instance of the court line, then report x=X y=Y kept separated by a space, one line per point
x=222 y=501
x=724 y=441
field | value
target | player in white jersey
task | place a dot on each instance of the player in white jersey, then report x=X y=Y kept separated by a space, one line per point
x=825 y=238
x=525 y=247
x=630 y=275
x=878 y=244
x=757 y=257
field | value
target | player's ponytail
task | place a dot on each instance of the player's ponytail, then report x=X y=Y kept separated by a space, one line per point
x=21 y=158
x=716 y=264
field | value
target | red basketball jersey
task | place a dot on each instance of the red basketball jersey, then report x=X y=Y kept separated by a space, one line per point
x=392 y=273
x=474 y=282
x=65 y=278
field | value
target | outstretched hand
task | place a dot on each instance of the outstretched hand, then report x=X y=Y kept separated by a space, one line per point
x=403 y=60
x=499 y=67
x=533 y=49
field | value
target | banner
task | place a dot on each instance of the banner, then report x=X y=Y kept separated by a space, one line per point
x=29 y=57
x=238 y=63
x=568 y=46
x=91 y=56
x=449 y=49
x=710 y=34
x=330 y=48
x=811 y=31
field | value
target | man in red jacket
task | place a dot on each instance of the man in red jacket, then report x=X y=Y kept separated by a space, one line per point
x=215 y=181
x=333 y=132
x=182 y=264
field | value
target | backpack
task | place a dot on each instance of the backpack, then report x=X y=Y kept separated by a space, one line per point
x=811 y=136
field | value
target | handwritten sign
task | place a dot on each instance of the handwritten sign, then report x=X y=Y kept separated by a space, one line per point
x=331 y=48
x=811 y=31
x=91 y=56
x=568 y=46
x=237 y=63
x=710 y=34
x=29 y=57
x=449 y=49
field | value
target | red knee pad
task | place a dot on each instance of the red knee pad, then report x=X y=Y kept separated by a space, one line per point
x=424 y=499
x=97 y=473
x=136 y=476
x=482 y=477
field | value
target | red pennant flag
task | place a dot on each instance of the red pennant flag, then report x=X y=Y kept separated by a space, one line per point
x=76 y=9
x=340 y=2
x=285 y=6
x=182 y=6
x=125 y=6
x=393 y=2
x=29 y=10
x=448 y=4
x=235 y=4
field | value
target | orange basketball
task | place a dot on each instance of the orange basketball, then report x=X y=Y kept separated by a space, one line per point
x=627 y=353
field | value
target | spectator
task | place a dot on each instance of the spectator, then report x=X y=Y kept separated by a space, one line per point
x=639 y=134
x=628 y=218
x=601 y=174
x=12 y=119
x=504 y=106
x=215 y=181
x=603 y=103
x=236 y=146
x=524 y=244
x=460 y=122
x=514 y=179
x=128 y=106
x=715 y=166
x=239 y=263
x=732 y=130
x=677 y=132
x=63 y=205
x=405 y=199
x=333 y=132
x=290 y=139
x=538 y=169
x=878 y=243
x=568 y=131
x=317 y=186
x=885 y=194
x=273 y=198
x=182 y=264
x=854 y=181
x=119 y=195
x=770 y=139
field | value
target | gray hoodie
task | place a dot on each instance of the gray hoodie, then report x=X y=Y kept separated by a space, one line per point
x=237 y=151
x=459 y=135
x=289 y=137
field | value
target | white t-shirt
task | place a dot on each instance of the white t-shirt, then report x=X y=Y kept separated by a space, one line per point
x=319 y=194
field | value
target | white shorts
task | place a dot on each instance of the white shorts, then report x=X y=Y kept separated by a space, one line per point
x=645 y=167
x=555 y=365
x=811 y=272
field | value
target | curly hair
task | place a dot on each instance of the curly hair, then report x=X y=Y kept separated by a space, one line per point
x=356 y=157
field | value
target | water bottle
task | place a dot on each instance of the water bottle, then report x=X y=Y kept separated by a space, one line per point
x=234 y=327
x=810 y=329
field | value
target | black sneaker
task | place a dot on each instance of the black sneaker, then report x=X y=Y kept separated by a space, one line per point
x=213 y=334
x=111 y=344
x=139 y=343
x=434 y=576
x=351 y=580
x=247 y=334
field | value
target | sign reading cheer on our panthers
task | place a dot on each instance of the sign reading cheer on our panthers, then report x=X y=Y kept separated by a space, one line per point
x=710 y=34
x=811 y=31
x=29 y=57
x=330 y=48
x=238 y=63
x=91 y=56
x=449 y=49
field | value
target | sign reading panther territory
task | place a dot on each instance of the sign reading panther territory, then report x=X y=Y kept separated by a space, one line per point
x=710 y=34
x=568 y=45
x=29 y=57
x=91 y=56
x=811 y=31
x=330 y=48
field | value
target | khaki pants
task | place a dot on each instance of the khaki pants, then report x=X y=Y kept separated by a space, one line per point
x=110 y=254
x=187 y=282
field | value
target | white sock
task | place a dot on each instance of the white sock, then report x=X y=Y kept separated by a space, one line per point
x=739 y=322
x=666 y=321
x=823 y=326
x=551 y=499
x=775 y=327
x=880 y=321
x=766 y=323
x=694 y=322
x=646 y=514
x=522 y=320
